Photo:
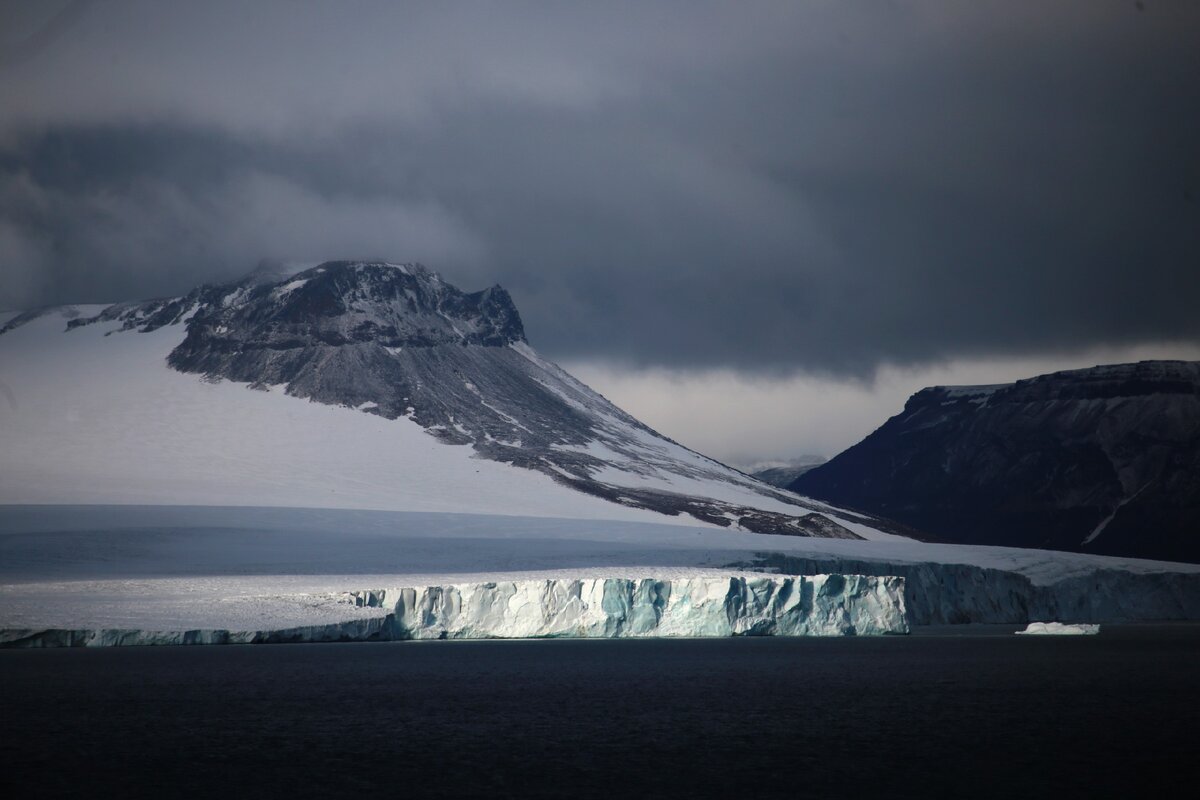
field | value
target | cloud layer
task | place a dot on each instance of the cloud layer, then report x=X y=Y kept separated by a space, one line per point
x=766 y=188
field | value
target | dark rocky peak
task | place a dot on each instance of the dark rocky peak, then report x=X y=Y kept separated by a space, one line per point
x=335 y=303
x=273 y=271
x=342 y=302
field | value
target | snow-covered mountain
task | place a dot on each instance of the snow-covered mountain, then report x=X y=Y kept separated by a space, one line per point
x=348 y=385
x=199 y=469
x=1101 y=460
x=783 y=473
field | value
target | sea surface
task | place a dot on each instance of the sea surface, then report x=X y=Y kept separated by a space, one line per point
x=942 y=713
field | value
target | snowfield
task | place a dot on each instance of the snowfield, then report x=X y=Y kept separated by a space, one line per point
x=143 y=505
x=94 y=415
x=264 y=570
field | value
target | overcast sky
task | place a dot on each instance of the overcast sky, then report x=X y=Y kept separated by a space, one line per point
x=757 y=225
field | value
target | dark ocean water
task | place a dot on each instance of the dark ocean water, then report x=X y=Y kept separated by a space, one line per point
x=919 y=716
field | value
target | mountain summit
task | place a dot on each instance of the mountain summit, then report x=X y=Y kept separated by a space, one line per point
x=398 y=343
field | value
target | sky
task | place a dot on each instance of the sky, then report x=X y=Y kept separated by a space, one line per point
x=757 y=226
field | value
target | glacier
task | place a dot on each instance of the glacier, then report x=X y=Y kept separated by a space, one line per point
x=1011 y=585
x=272 y=574
x=591 y=608
x=767 y=605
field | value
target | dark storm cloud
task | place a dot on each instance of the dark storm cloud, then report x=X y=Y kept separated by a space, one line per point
x=802 y=186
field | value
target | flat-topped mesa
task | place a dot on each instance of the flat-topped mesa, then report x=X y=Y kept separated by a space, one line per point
x=1162 y=378
x=1094 y=383
x=1103 y=460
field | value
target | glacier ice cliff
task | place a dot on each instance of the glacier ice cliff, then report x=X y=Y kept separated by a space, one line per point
x=953 y=594
x=766 y=605
x=371 y=629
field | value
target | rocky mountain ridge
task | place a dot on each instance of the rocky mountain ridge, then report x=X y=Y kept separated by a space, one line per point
x=1102 y=460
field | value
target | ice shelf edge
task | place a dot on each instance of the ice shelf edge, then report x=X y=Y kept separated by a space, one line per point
x=600 y=608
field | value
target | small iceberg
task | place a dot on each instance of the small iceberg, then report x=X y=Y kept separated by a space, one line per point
x=1060 y=629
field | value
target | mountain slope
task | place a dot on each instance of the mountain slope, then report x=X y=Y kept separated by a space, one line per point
x=1102 y=460
x=784 y=474
x=154 y=402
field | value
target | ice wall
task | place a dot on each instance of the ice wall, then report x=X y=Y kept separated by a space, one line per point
x=355 y=630
x=760 y=605
x=767 y=605
x=939 y=594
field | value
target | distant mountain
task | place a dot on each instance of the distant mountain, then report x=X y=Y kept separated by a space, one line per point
x=1103 y=460
x=130 y=403
x=784 y=473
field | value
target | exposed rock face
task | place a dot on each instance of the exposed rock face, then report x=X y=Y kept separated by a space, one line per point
x=397 y=341
x=1103 y=460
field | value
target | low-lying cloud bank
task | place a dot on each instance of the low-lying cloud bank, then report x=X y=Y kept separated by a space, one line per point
x=767 y=189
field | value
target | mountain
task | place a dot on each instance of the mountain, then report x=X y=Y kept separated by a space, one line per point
x=784 y=473
x=421 y=398
x=268 y=459
x=1102 y=460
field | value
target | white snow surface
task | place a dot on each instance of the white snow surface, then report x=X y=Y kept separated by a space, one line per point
x=636 y=458
x=182 y=568
x=95 y=415
x=1060 y=629
x=1099 y=529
